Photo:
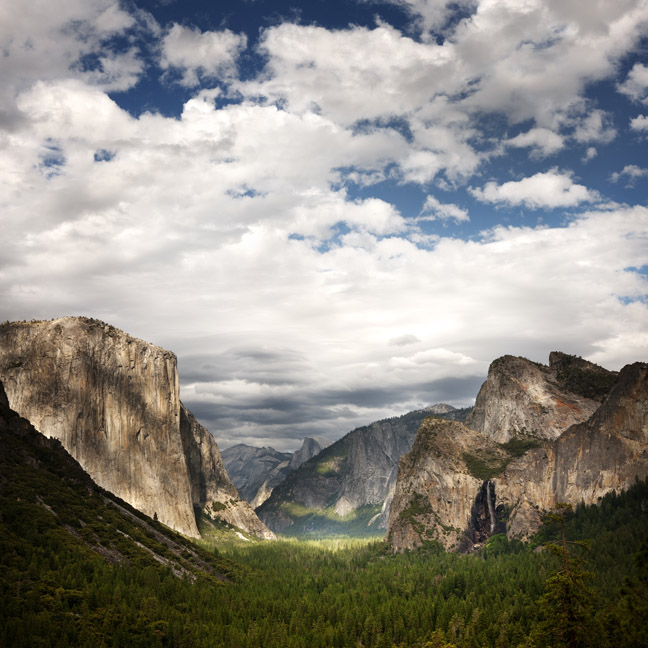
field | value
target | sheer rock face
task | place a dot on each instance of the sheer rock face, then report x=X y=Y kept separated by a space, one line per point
x=113 y=401
x=373 y=457
x=587 y=461
x=524 y=398
x=437 y=497
x=11 y=423
x=434 y=492
x=257 y=471
x=211 y=488
x=357 y=470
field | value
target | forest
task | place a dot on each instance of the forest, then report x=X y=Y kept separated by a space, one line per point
x=337 y=593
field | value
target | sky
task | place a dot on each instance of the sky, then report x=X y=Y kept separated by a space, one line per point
x=332 y=212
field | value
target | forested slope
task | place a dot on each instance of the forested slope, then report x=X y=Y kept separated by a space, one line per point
x=336 y=594
x=78 y=565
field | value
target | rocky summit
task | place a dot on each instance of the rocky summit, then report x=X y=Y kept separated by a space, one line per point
x=521 y=397
x=114 y=403
x=256 y=471
x=570 y=432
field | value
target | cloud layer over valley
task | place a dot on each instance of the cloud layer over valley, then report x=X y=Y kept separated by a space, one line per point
x=329 y=225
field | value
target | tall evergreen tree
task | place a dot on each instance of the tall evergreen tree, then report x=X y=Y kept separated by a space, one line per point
x=567 y=608
x=633 y=608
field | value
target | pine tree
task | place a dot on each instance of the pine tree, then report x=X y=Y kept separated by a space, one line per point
x=633 y=607
x=567 y=608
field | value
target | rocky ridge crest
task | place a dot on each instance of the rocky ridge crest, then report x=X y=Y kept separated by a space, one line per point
x=524 y=398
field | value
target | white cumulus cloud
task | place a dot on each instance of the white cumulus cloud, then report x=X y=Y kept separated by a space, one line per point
x=201 y=54
x=259 y=238
x=433 y=209
x=636 y=84
x=432 y=14
x=631 y=173
x=595 y=127
x=543 y=141
x=639 y=123
x=542 y=190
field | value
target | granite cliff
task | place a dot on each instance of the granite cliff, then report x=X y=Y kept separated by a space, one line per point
x=460 y=484
x=211 y=488
x=435 y=490
x=257 y=471
x=347 y=487
x=521 y=397
x=607 y=452
x=114 y=403
x=309 y=448
x=45 y=494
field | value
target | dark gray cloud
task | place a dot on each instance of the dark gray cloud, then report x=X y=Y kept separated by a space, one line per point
x=330 y=413
x=435 y=391
x=256 y=364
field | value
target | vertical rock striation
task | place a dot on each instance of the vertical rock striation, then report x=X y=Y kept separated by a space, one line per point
x=114 y=403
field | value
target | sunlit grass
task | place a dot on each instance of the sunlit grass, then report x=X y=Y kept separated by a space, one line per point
x=325 y=522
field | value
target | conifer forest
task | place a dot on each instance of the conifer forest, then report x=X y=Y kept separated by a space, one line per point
x=582 y=581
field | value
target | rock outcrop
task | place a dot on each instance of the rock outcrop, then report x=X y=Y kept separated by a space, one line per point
x=459 y=485
x=435 y=491
x=441 y=409
x=607 y=452
x=43 y=490
x=524 y=398
x=257 y=471
x=310 y=448
x=114 y=403
x=211 y=488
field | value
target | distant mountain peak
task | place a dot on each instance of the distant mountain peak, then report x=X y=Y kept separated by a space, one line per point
x=311 y=446
x=440 y=408
x=257 y=471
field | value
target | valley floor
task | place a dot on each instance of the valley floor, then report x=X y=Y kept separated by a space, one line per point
x=337 y=593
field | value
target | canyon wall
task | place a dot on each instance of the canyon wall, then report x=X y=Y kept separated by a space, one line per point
x=524 y=398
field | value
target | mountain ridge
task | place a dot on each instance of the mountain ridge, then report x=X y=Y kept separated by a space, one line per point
x=257 y=471
x=460 y=485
